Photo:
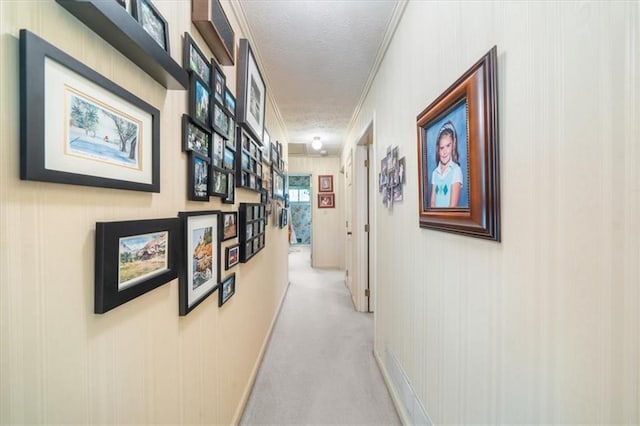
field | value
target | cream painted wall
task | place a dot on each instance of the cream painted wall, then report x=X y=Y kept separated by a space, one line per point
x=327 y=239
x=543 y=327
x=140 y=363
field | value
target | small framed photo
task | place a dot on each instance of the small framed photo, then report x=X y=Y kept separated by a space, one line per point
x=278 y=184
x=195 y=137
x=198 y=177
x=229 y=225
x=199 y=101
x=325 y=183
x=232 y=256
x=219 y=84
x=201 y=258
x=132 y=258
x=231 y=189
x=217 y=150
x=326 y=201
x=218 y=182
x=152 y=21
x=193 y=60
x=229 y=159
x=220 y=120
x=231 y=134
x=229 y=102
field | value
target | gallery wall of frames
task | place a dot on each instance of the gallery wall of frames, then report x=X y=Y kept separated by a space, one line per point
x=123 y=170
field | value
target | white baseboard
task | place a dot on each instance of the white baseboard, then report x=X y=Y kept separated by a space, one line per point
x=409 y=408
x=256 y=367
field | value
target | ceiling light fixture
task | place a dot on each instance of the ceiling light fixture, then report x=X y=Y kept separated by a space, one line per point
x=316 y=144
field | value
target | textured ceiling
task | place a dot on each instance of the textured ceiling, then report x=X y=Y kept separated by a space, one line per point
x=317 y=56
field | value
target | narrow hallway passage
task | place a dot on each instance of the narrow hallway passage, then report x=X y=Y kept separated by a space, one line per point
x=319 y=367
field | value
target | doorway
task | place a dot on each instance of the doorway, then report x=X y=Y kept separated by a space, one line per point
x=300 y=206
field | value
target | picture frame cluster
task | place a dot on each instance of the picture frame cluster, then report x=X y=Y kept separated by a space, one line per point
x=209 y=130
x=392 y=177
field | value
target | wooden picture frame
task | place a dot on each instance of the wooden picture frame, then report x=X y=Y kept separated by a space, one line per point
x=194 y=59
x=132 y=258
x=209 y=18
x=199 y=172
x=200 y=273
x=251 y=101
x=231 y=256
x=227 y=289
x=229 y=225
x=325 y=183
x=195 y=137
x=152 y=21
x=64 y=110
x=326 y=201
x=462 y=194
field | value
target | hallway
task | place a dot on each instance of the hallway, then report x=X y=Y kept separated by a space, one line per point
x=319 y=367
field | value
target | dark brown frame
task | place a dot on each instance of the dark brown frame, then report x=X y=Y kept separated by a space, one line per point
x=323 y=177
x=332 y=197
x=479 y=87
x=235 y=218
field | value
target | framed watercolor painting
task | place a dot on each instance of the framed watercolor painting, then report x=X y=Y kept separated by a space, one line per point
x=132 y=258
x=227 y=289
x=250 y=105
x=201 y=258
x=78 y=127
x=459 y=187
x=325 y=183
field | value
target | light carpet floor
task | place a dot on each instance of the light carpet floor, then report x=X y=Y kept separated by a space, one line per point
x=319 y=368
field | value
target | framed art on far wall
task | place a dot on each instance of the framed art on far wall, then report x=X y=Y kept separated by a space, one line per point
x=325 y=183
x=326 y=201
x=458 y=183
x=201 y=258
x=132 y=258
x=250 y=104
x=78 y=127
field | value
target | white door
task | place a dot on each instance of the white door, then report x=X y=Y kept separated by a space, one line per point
x=348 y=174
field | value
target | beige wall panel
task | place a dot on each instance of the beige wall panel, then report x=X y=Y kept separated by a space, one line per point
x=543 y=327
x=140 y=363
x=328 y=231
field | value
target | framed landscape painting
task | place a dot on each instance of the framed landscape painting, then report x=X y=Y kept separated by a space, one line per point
x=132 y=258
x=201 y=258
x=78 y=127
x=459 y=188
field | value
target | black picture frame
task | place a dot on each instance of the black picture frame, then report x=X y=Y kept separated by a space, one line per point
x=217 y=150
x=195 y=137
x=43 y=124
x=231 y=256
x=227 y=289
x=228 y=225
x=194 y=59
x=152 y=22
x=230 y=102
x=277 y=182
x=466 y=114
x=218 y=178
x=230 y=198
x=218 y=83
x=200 y=101
x=200 y=230
x=113 y=253
x=198 y=177
x=219 y=119
x=251 y=95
